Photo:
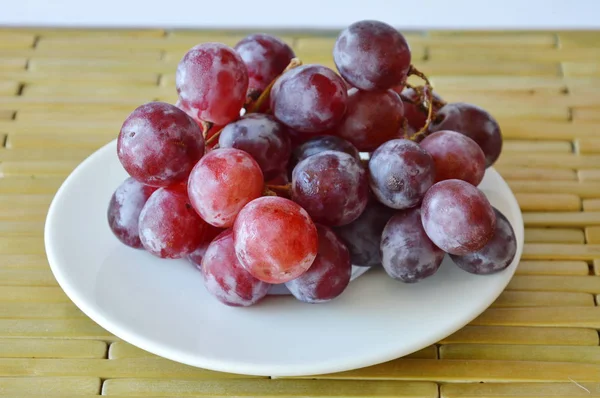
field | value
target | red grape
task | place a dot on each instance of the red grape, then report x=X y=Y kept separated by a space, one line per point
x=329 y=274
x=309 y=98
x=124 y=211
x=415 y=115
x=400 y=173
x=169 y=226
x=261 y=136
x=372 y=118
x=275 y=239
x=222 y=182
x=456 y=156
x=362 y=236
x=372 y=55
x=324 y=143
x=332 y=186
x=475 y=123
x=159 y=144
x=265 y=57
x=226 y=279
x=407 y=252
x=211 y=81
x=457 y=217
x=197 y=255
x=496 y=255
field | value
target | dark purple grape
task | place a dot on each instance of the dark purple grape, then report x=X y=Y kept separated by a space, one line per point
x=324 y=143
x=261 y=136
x=407 y=252
x=265 y=57
x=457 y=217
x=124 y=211
x=362 y=236
x=372 y=55
x=329 y=274
x=475 y=123
x=372 y=118
x=309 y=99
x=331 y=186
x=400 y=172
x=496 y=255
x=456 y=156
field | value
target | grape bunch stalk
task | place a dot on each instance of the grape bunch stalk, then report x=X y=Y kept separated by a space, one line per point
x=267 y=171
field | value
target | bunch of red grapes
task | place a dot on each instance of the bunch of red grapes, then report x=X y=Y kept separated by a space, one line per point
x=272 y=172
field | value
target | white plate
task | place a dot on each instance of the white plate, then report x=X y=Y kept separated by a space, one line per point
x=162 y=307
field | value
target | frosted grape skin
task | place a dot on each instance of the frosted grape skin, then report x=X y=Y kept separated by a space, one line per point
x=275 y=239
x=496 y=255
x=372 y=55
x=261 y=136
x=266 y=57
x=400 y=172
x=226 y=279
x=309 y=99
x=408 y=254
x=211 y=81
x=222 y=183
x=329 y=274
x=169 y=226
x=124 y=211
x=457 y=217
x=455 y=156
x=362 y=236
x=159 y=144
x=332 y=186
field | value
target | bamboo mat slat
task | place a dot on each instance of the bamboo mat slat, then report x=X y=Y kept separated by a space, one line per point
x=64 y=93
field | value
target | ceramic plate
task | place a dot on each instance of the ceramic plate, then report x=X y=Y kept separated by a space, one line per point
x=162 y=307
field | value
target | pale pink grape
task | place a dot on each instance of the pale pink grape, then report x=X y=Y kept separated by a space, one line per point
x=275 y=239
x=222 y=183
x=211 y=81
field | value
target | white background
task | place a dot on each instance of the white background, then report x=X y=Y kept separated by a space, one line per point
x=318 y=14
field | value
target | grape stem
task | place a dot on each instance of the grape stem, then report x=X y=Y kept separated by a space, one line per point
x=294 y=63
x=214 y=137
x=206 y=126
x=285 y=189
x=428 y=91
x=268 y=192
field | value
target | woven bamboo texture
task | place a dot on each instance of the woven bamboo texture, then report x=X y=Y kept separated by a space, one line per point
x=63 y=94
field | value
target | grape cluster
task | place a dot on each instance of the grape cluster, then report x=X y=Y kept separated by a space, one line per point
x=267 y=171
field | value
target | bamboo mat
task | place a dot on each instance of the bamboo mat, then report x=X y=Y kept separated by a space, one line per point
x=63 y=94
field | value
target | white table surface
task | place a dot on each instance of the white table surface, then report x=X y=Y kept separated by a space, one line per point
x=317 y=14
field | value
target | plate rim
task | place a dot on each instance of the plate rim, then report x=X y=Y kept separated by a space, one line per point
x=245 y=368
